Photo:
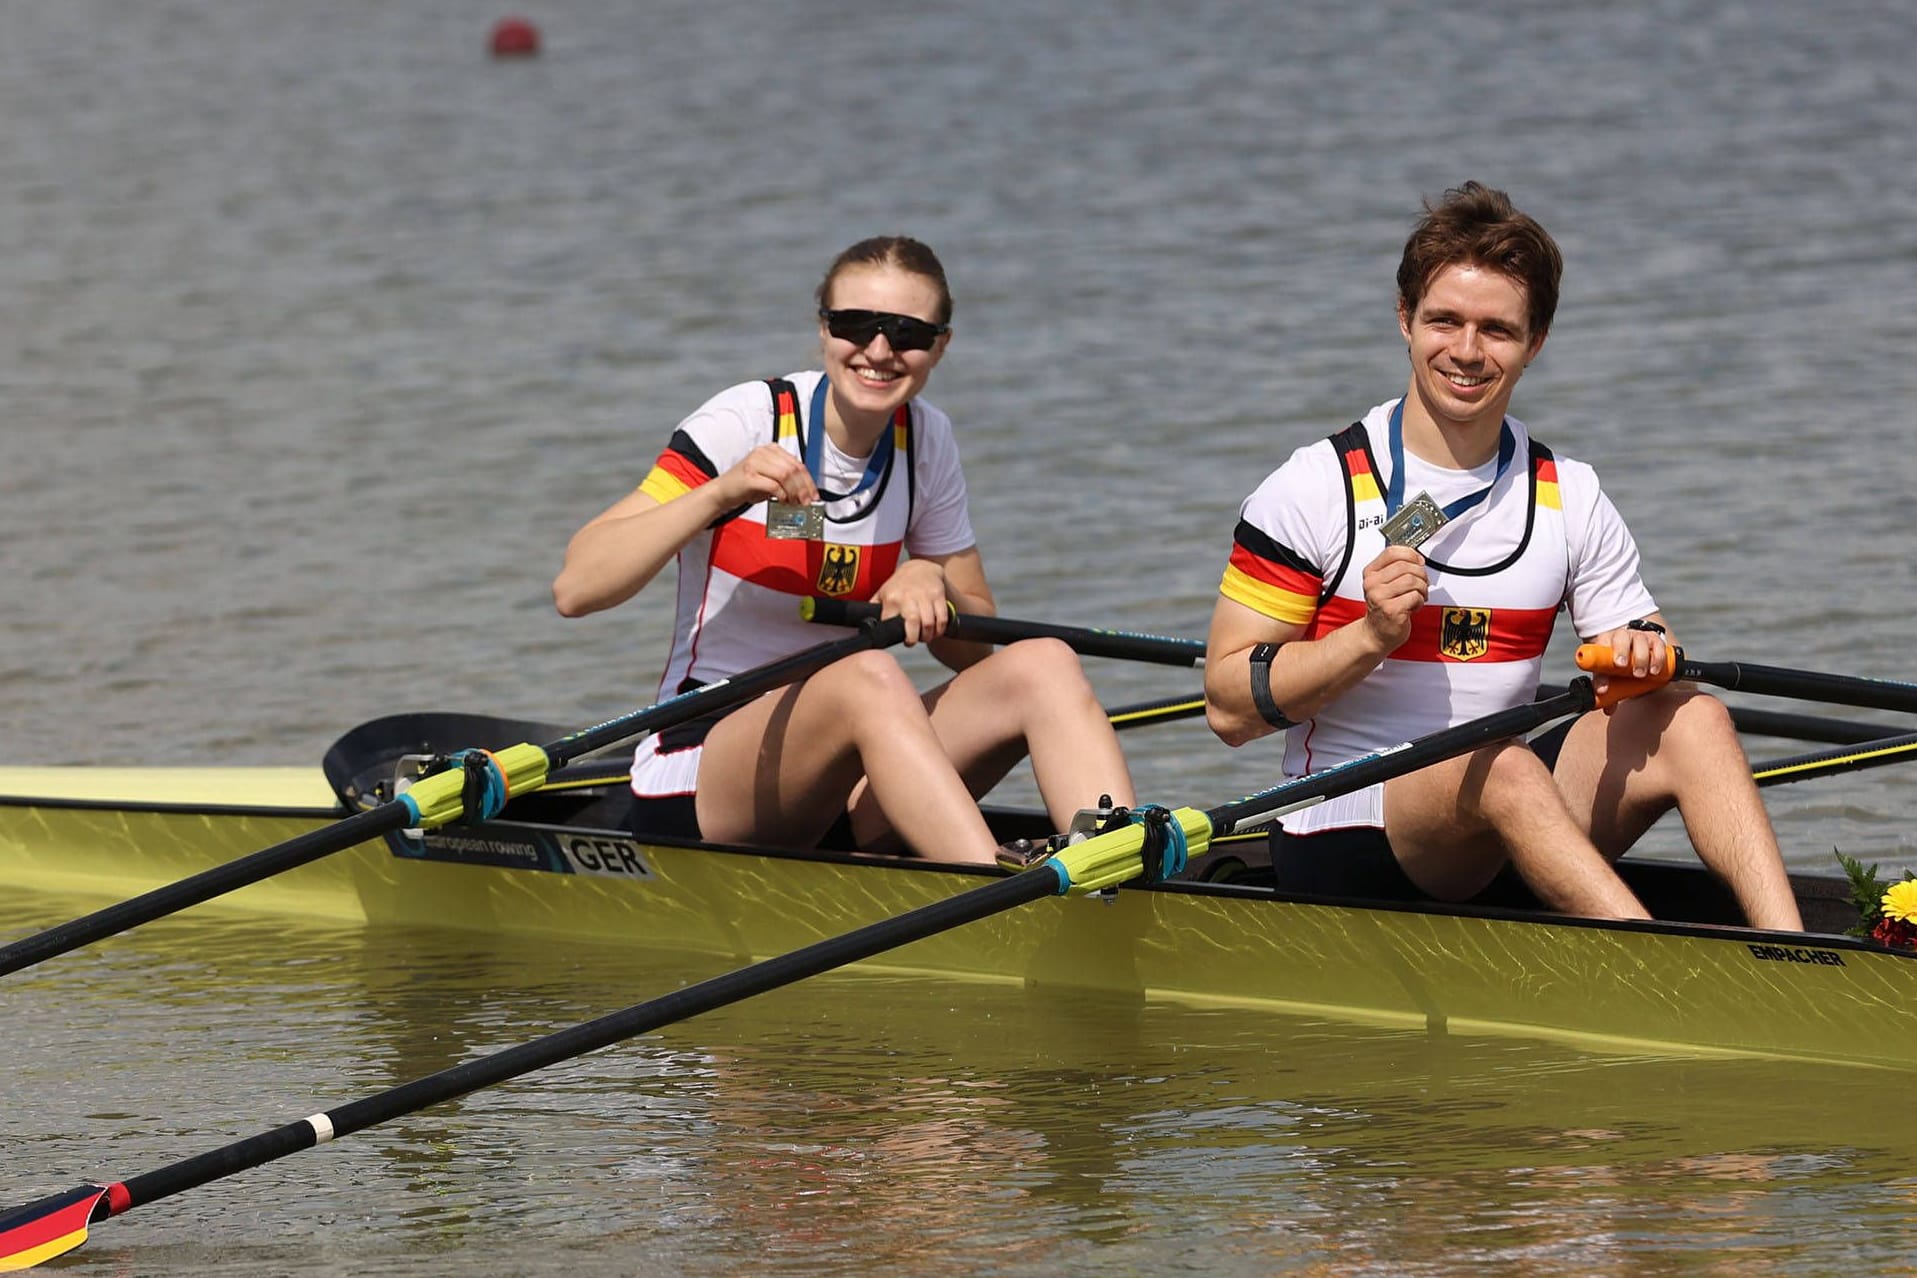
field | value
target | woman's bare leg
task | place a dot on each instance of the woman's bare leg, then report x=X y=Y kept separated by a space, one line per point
x=781 y=769
x=1029 y=698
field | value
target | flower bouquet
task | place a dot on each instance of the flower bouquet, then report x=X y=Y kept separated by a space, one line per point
x=1886 y=914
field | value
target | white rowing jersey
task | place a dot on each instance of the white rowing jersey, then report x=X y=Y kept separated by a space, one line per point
x=1544 y=538
x=739 y=590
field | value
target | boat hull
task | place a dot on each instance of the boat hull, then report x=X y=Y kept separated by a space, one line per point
x=103 y=834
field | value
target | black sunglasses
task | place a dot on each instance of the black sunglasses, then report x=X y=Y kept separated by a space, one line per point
x=902 y=332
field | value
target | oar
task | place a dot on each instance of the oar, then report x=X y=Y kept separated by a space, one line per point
x=1823 y=763
x=1121 y=644
x=1153 y=845
x=1138 y=714
x=1793 y=727
x=1802 y=727
x=1142 y=714
x=439 y=799
x=1769 y=681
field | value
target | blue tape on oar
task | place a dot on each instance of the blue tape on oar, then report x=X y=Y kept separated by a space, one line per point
x=1165 y=851
x=1063 y=875
x=484 y=796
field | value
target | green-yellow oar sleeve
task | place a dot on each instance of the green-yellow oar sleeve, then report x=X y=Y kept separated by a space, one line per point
x=437 y=800
x=1117 y=856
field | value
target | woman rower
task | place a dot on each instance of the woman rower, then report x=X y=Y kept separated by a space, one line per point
x=816 y=484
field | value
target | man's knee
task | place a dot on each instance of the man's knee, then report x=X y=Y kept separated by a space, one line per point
x=1507 y=776
x=1674 y=730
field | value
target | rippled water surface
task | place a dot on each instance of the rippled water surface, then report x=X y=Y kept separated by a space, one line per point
x=322 y=332
x=869 y=1124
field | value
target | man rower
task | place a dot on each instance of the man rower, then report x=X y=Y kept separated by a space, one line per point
x=1404 y=576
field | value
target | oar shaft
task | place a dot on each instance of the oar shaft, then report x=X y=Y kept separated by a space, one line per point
x=1802 y=727
x=1383 y=765
x=1160 y=710
x=1876 y=753
x=1120 y=644
x=771 y=974
x=725 y=693
x=203 y=886
x=1136 y=714
x=1802 y=685
x=1756 y=722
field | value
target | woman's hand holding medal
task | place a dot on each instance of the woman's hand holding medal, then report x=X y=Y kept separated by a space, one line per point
x=771 y=474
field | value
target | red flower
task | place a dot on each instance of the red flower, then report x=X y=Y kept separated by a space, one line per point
x=1895 y=932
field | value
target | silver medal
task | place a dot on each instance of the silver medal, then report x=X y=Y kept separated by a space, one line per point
x=785 y=521
x=1416 y=522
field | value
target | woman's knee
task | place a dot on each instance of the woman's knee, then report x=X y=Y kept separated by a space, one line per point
x=864 y=676
x=1039 y=669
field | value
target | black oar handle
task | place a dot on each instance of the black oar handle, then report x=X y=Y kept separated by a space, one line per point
x=822 y=956
x=1121 y=644
x=1383 y=765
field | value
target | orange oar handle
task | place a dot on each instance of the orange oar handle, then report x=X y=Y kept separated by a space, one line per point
x=1597 y=658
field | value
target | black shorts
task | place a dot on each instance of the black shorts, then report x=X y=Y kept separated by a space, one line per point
x=676 y=816
x=666 y=816
x=1355 y=861
x=1547 y=743
x=1358 y=861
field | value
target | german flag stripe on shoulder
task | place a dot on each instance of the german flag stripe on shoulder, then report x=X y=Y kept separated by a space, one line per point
x=682 y=467
x=1544 y=468
x=785 y=408
x=1364 y=483
x=1270 y=578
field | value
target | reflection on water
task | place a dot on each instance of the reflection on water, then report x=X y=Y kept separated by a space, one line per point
x=873 y=1123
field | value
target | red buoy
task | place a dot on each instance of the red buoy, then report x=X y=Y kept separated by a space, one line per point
x=515 y=38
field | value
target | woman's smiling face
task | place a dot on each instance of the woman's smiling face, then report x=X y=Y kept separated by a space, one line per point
x=869 y=382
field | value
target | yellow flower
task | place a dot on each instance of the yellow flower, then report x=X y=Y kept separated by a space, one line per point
x=1900 y=901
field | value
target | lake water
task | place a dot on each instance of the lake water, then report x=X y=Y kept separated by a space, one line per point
x=322 y=332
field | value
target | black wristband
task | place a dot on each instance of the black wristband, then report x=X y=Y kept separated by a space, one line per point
x=1642 y=624
x=1261 y=686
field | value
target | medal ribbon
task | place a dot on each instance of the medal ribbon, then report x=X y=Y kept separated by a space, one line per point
x=814 y=448
x=1394 y=491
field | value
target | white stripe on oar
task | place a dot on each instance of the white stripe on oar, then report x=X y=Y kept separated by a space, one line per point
x=322 y=1128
